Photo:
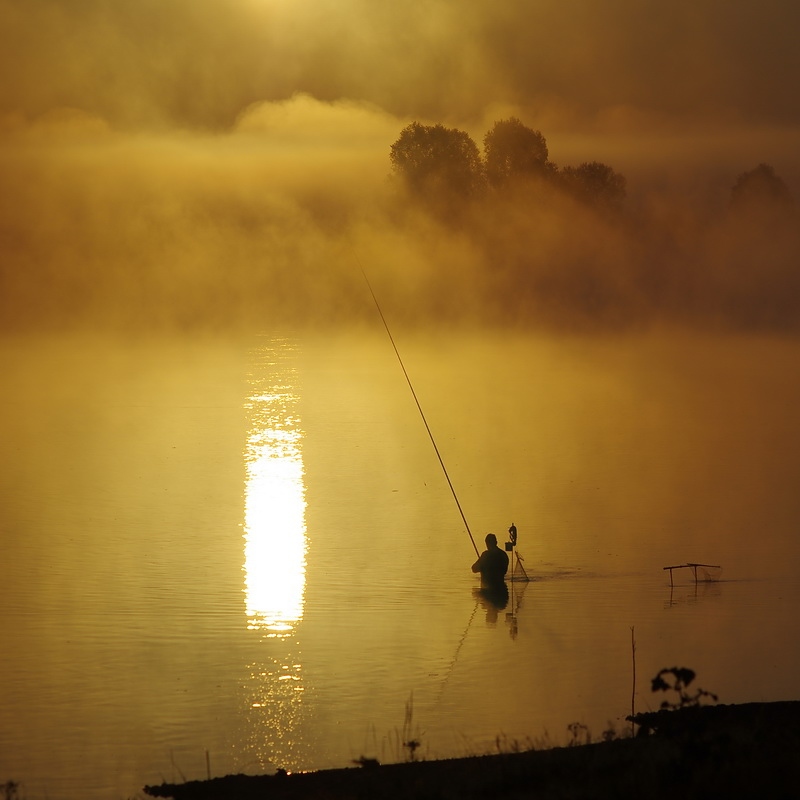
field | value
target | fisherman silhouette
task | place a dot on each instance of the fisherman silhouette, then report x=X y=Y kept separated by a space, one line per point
x=492 y=564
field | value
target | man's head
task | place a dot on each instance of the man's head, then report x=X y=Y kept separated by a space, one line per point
x=491 y=540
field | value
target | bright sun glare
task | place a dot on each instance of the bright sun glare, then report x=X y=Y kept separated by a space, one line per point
x=275 y=530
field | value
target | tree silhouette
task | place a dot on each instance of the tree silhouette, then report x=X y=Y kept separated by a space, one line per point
x=513 y=150
x=596 y=184
x=761 y=191
x=437 y=161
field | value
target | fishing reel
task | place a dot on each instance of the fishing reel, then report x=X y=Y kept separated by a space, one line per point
x=512 y=535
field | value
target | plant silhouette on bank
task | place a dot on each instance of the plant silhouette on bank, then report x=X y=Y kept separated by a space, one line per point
x=10 y=790
x=677 y=680
x=580 y=734
x=412 y=744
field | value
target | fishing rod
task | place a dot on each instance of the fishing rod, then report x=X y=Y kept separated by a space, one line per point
x=421 y=412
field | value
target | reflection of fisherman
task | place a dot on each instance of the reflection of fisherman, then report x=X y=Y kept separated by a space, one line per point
x=492 y=564
x=493 y=601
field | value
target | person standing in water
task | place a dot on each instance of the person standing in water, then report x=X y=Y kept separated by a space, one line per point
x=492 y=564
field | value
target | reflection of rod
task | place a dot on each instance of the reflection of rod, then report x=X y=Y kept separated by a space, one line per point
x=458 y=650
x=421 y=413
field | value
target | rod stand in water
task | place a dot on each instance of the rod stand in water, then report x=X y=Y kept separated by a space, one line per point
x=693 y=566
x=511 y=545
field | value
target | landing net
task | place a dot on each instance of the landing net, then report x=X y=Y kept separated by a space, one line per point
x=706 y=573
x=517 y=571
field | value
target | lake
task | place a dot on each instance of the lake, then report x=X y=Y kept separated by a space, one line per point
x=238 y=554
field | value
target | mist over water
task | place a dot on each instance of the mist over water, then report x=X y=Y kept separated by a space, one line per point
x=246 y=229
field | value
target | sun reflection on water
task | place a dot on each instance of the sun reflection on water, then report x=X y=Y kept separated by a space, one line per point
x=274 y=524
x=275 y=545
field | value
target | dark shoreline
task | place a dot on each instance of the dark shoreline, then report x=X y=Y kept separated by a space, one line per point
x=746 y=750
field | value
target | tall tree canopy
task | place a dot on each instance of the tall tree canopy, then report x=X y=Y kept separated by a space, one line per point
x=436 y=160
x=513 y=150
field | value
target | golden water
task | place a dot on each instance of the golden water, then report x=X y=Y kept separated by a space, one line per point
x=243 y=555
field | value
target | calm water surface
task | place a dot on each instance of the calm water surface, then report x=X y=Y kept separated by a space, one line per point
x=233 y=556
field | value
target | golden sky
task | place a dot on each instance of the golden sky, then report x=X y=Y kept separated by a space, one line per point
x=200 y=63
x=149 y=147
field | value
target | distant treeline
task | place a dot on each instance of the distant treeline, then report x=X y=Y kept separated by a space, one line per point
x=125 y=234
x=548 y=245
x=445 y=166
